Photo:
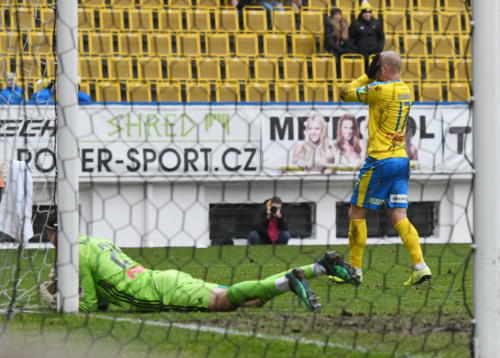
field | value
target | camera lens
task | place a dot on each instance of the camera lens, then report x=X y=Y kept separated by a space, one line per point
x=274 y=209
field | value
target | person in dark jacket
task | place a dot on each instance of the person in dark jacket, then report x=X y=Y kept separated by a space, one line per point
x=337 y=33
x=12 y=94
x=270 y=227
x=366 y=32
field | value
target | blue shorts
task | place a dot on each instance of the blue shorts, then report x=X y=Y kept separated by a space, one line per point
x=382 y=181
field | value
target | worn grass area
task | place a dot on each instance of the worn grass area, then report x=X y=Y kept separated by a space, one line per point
x=380 y=319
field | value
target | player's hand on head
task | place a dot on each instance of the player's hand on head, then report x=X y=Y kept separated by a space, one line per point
x=374 y=67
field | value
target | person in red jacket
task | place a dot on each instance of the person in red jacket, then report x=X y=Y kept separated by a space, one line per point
x=270 y=226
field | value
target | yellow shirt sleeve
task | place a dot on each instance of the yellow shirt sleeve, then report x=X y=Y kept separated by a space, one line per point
x=360 y=90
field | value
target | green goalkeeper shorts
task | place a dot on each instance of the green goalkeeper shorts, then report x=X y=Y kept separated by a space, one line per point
x=181 y=291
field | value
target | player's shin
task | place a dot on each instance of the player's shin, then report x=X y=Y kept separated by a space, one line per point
x=358 y=234
x=411 y=240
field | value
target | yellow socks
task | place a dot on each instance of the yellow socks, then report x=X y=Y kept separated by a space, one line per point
x=411 y=240
x=357 y=241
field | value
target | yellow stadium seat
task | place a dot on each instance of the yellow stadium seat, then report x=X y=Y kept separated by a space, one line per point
x=415 y=45
x=286 y=92
x=138 y=92
x=312 y=21
x=160 y=44
x=449 y=22
x=170 y=20
x=157 y=4
x=275 y=45
x=316 y=92
x=47 y=18
x=180 y=3
x=411 y=70
x=86 y=19
x=227 y=92
x=90 y=68
x=49 y=63
x=10 y=42
x=168 y=92
x=28 y=67
x=394 y=22
x=431 y=92
x=108 y=92
x=92 y=3
x=348 y=4
x=295 y=69
x=179 y=69
x=437 y=69
x=111 y=19
x=465 y=45
x=20 y=18
x=427 y=4
x=189 y=44
x=198 y=20
x=41 y=42
x=208 y=3
x=266 y=69
x=119 y=68
x=303 y=45
x=255 y=19
x=100 y=43
x=324 y=69
x=198 y=92
x=444 y=46
x=208 y=69
x=459 y=92
x=284 y=20
x=351 y=66
x=140 y=20
x=149 y=68
x=391 y=43
x=257 y=92
x=237 y=69
x=422 y=22
x=246 y=45
x=463 y=69
x=320 y=4
x=217 y=44
x=400 y=5
x=123 y=3
x=226 y=19
x=130 y=44
x=459 y=5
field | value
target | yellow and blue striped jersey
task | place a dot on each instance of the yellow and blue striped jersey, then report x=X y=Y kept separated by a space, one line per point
x=389 y=107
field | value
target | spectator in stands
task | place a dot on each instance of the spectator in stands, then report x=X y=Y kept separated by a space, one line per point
x=240 y=4
x=411 y=130
x=11 y=94
x=270 y=226
x=347 y=145
x=337 y=33
x=296 y=5
x=45 y=93
x=315 y=153
x=83 y=98
x=366 y=33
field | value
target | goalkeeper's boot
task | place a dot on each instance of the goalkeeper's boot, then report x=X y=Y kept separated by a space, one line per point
x=335 y=266
x=340 y=281
x=417 y=277
x=299 y=285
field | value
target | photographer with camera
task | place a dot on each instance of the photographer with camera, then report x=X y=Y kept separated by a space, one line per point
x=270 y=227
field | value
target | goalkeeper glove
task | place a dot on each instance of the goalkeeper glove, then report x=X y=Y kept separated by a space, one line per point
x=374 y=67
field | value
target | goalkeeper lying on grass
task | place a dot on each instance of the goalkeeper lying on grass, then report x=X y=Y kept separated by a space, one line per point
x=107 y=275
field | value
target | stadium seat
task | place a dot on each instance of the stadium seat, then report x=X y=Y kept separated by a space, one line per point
x=284 y=20
x=449 y=22
x=295 y=69
x=411 y=70
x=322 y=4
x=138 y=92
x=90 y=68
x=246 y=45
x=459 y=5
x=188 y=44
x=431 y=92
x=111 y=19
x=130 y=44
x=180 y=3
x=465 y=45
x=108 y=92
x=237 y=69
x=28 y=67
x=399 y=5
x=391 y=43
x=427 y=4
x=100 y=43
x=168 y=92
x=10 y=42
x=157 y=4
x=266 y=69
x=415 y=45
x=257 y=92
x=459 y=92
x=198 y=20
x=217 y=44
x=394 y=22
x=92 y=3
x=227 y=92
x=444 y=46
x=127 y=4
x=170 y=20
x=140 y=20
x=348 y=4
x=226 y=19
x=120 y=68
x=422 y=22
x=286 y=92
x=47 y=18
x=437 y=69
x=160 y=44
x=255 y=19
x=351 y=66
x=41 y=42
x=316 y=92
x=179 y=69
x=19 y=19
x=208 y=69
x=303 y=45
x=198 y=92
x=49 y=63
x=324 y=69
x=208 y=3
x=312 y=21
x=275 y=45
x=462 y=69
x=86 y=19
x=149 y=68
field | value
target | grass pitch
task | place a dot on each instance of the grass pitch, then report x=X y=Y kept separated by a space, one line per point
x=380 y=319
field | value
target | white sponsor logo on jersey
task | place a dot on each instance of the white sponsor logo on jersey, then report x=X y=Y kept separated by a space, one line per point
x=398 y=198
